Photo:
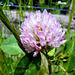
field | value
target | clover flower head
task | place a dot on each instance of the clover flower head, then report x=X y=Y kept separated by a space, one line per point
x=40 y=30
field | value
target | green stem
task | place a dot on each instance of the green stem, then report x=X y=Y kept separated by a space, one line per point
x=4 y=19
x=49 y=66
x=70 y=18
x=62 y=68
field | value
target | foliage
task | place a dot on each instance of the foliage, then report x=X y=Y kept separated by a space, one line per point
x=28 y=66
x=10 y=46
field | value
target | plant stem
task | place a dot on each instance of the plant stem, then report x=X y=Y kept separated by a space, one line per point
x=62 y=68
x=49 y=66
x=70 y=18
x=4 y=19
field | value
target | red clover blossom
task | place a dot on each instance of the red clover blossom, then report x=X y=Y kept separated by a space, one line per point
x=41 y=30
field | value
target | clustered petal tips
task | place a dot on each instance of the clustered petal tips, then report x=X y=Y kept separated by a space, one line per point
x=41 y=30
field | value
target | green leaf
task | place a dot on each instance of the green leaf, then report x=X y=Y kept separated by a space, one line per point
x=71 y=61
x=51 y=53
x=28 y=66
x=68 y=47
x=10 y=46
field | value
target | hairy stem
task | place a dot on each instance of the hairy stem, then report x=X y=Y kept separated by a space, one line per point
x=4 y=19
